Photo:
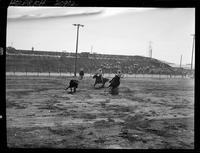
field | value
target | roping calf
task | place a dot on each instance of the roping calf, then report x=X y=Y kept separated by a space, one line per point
x=73 y=84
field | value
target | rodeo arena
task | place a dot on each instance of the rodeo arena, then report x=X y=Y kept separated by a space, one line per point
x=87 y=100
x=112 y=102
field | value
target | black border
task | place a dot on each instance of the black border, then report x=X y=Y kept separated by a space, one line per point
x=106 y=3
x=4 y=4
x=139 y=3
x=3 y=19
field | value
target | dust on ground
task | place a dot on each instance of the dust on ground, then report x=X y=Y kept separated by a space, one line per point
x=146 y=114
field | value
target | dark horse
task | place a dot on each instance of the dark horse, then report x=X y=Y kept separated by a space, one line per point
x=100 y=80
x=115 y=82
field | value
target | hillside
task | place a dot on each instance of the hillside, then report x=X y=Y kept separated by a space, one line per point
x=43 y=61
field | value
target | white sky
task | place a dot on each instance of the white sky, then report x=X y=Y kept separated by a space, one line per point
x=123 y=31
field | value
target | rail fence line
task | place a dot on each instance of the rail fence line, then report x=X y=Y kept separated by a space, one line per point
x=159 y=76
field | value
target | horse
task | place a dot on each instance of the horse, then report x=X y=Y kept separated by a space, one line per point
x=115 y=82
x=100 y=80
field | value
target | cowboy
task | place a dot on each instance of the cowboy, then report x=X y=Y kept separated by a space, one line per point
x=99 y=73
x=99 y=78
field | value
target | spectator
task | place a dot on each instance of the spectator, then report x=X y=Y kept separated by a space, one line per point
x=81 y=73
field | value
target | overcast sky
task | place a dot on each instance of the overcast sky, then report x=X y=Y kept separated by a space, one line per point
x=123 y=31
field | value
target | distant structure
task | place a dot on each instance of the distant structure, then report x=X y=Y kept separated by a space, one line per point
x=150 y=49
x=91 y=49
x=180 y=61
x=32 y=48
x=90 y=62
x=193 y=35
x=64 y=51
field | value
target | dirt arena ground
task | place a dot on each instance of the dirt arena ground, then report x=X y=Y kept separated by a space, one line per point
x=146 y=114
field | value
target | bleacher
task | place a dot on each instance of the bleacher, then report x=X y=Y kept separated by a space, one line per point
x=47 y=61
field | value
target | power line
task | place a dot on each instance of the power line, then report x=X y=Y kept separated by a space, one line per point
x=78 y=25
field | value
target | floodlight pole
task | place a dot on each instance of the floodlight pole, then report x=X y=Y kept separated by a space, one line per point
x=192 y=49
x=181 y=61
x=150 y=49
x=78 y=25
x=91 y=49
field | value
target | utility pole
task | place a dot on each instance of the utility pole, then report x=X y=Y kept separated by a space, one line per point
x=192 y=49
x=180 y=61
x=78 y=25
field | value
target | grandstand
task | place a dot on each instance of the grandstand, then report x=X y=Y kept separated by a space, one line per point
x=18 y=60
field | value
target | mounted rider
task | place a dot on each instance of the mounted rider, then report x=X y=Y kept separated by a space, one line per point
x=99 y=73
x=99 y=78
